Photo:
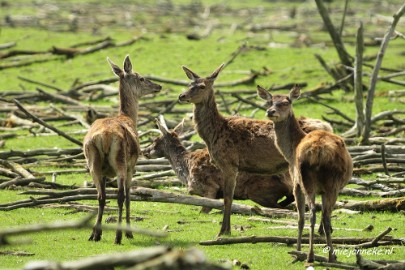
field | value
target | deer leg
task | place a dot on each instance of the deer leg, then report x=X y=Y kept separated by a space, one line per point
x=128 y=203
x=100 y=184
x=321 y=229
x=327 y=205
x=229 y=188
x=300 y=204
x=120 y=201
x=312 y=218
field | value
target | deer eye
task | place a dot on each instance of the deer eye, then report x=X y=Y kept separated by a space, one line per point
x=142 y=79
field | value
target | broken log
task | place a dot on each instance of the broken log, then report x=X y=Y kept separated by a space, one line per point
x=17 y=168
x=292 y=240
x=142 y=194
x=370 y=184
x=391 y=204
x=20 y=182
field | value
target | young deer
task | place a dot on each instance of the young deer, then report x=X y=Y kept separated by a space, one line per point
x=319 y=164
x=235 y=144
x=202 y=178
x=111 y=145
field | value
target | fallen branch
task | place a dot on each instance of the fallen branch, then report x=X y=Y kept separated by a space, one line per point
x=391 y=204
x=292 y=240
x=366 y=193
x=27 y=63
x=20 y=52
x=17 y=168
x=142 y=194
x=338 y=112
x=373 y=184
x=60 y=98
x=41 y=122
x=7 y=45
x=20 y=182
x=374 y=242
x=103 y=44
x=40 y=83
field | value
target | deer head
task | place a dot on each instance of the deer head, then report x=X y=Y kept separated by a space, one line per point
x=280 y=106
x=167 y=139
x=131 y=82
x=200 y=88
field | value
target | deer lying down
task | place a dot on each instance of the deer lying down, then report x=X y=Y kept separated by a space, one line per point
x=202 y=178
x=319 y=164
x=111 y=145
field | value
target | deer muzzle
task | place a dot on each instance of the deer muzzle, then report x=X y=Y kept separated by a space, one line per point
x=157 y=88
x=271 y=113
x=183 y=98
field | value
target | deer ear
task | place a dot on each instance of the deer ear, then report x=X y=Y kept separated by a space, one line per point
x=179 y=128
x=263 y=93
x=116 y=69
x=127 y=65
x=190 y=74
x=161 y=127
x=295 y=93
x=214 y=75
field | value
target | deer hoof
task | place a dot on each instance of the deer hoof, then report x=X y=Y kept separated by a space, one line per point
x=95 y=236
x=129 y=235
x=332 y=258
x=118 y=238
x=226 y=233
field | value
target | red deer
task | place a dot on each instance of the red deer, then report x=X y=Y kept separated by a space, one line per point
x=319 y=164
x=111 y=146
x=202 y=178
x=235 y=144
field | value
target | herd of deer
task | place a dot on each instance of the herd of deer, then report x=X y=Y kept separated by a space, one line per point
x=244 y=158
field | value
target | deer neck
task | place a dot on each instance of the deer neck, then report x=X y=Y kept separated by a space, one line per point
x=177 y=156
x=207 y=119
x=128 y=104
x=288 y=135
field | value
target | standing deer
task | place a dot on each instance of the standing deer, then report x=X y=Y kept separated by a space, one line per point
x=319 y=164
x=111 y=146
x=202 y=178
x=235 y=144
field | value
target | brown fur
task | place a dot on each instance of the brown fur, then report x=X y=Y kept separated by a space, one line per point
x=319 y=164
x=310 y=124
x=202 y=178
x=111 y=145
x=235 y=144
